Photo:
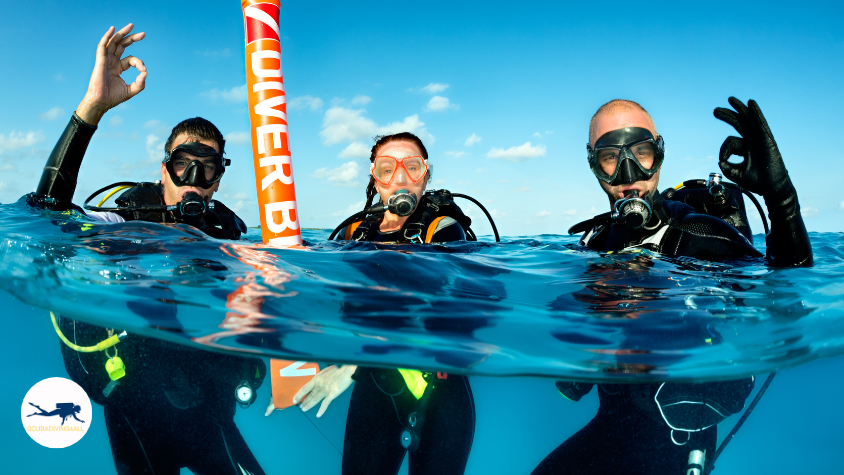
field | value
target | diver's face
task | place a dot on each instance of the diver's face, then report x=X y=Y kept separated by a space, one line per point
x=400 y=150
x=607 y=122
x=172 y=193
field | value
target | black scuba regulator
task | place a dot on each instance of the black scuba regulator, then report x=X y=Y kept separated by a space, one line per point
x=632 y=211
x=191 y=207
x=402 y=203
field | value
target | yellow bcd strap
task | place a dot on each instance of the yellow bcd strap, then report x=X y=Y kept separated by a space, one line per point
x=414 y=381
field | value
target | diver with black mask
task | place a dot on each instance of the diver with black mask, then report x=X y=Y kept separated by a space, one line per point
x=167 y=406
x=625 y=154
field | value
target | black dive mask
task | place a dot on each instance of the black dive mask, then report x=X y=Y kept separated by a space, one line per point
x=625 y=156
x=197 y=171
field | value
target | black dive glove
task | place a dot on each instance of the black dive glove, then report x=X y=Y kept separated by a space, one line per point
x=763 y=172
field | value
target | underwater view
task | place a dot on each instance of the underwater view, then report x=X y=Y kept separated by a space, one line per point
x=514 y=316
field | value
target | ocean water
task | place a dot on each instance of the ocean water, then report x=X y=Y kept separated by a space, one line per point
x=514 y=316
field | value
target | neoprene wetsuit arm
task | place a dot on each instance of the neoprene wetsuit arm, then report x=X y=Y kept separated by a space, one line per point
x=59 y=178
x=788 y=241
x=706 y=237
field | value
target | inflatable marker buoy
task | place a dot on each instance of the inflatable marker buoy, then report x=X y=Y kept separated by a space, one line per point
x=287 y=378
x=268 y=124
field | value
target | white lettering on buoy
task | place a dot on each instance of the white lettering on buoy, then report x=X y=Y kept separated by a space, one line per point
x=289 y=218
x=294 y=371
x=278 y=173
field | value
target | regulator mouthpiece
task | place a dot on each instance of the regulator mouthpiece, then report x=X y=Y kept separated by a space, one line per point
x=402 y=203
x=191 y=206
x=632 y=211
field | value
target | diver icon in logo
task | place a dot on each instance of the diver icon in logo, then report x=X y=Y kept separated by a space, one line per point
x=63 y=410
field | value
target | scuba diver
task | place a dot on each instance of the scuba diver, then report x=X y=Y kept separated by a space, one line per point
x=394 y=412
x=169 y=406
x=669 y=428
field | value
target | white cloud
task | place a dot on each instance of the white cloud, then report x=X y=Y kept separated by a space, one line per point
x=518 y=154
x=361 y=100
x=570 y=212
x=344 y=175
x=440 y=103
x=151 y=123
x=341 y=125
x=473 y=139
x=497 y=214
x=52 y=114
x=434 y=88
x=409 y=124
x=238 y=138
x=809 y=211
x=349 y=125
x=59 y=77
x=455 y=154
x=155 y=148
x=18 y=140
x=537 y=135
x=543 y=214
x=306 y=102
x=356 y=150
x=352 y=209
x=841 y=205
x=522 y=189
x=235 y=94
x=115 y=121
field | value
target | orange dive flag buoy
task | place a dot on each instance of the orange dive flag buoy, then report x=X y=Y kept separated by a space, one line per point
x=288 y=377
x=268 y=124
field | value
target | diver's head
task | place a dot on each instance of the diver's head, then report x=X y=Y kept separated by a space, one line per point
x=398 y=161
x=625 y=151
x=193 y=160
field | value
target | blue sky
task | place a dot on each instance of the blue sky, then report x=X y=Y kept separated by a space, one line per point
x=501 y=93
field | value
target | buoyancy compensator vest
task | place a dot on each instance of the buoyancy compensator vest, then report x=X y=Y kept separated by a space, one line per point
x=420 y=225
x=145 y=202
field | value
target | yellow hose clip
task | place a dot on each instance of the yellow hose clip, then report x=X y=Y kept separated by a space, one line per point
x=415 y=381
x=107 y=343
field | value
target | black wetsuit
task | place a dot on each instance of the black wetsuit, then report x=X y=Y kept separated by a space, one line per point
x=381 y=402
x=629 y=435
x=175 y=407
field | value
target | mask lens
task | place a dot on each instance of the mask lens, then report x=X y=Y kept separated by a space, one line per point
x=415 y=168
x=384 y=169
x=644 y=153
x=608 y=160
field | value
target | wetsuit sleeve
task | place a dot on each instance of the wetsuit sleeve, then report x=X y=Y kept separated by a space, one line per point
x=448 y=230
x=788 y=241
x=59 y=178
x=706 y=237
